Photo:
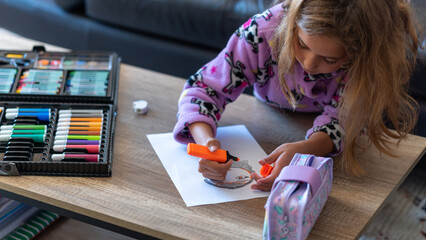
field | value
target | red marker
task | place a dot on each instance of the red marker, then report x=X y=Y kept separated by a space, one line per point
x=201 y=151
x=89 y=148
x=65 y=156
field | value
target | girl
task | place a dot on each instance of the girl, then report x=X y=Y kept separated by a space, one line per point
x=348 y=59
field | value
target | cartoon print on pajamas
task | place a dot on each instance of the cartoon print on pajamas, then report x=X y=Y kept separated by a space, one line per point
x=266 y=15
x=237 y=76
x=196 y=80
x=297 y=95
x=334 y=131
x=207 y=109
x=314 y=77
x=264 y=74
x=185 y=131
x=249 y=30
x=335 y=99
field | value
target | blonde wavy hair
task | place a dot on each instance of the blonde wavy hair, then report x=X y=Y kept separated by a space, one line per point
x=381 y=38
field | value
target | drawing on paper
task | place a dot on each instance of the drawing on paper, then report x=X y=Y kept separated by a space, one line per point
x=238 y=176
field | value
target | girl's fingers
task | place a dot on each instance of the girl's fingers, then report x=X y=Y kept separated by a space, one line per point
x=214 y=177
x=272 y=157
x=283 y=160
x=213 y=144
x=207 y=171
x=261 y=187
x=263 y=184
x=256 y=176
x=215 y=166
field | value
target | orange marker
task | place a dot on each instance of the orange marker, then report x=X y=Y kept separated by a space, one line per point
x=80 y=119
x=65 y=128
x=201 y=151
x=265 y=170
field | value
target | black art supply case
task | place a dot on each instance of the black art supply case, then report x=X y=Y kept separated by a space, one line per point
x=58 y=112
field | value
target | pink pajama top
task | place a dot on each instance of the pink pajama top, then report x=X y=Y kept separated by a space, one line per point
x=247 y=60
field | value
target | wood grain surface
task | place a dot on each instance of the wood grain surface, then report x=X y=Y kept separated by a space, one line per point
x=141 y=197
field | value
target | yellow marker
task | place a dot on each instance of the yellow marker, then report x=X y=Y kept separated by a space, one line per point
x=14 y=55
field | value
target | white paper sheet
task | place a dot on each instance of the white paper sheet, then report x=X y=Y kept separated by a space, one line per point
x=183 y=168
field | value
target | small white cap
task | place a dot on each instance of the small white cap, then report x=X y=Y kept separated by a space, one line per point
x=140 y=106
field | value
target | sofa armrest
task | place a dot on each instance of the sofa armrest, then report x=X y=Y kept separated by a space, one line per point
x=70 y=5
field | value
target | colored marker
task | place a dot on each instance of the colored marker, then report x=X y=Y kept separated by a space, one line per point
x=76 y=142
x=39 y=81
x=89 y=148
x=201 y=151
x=22 y=131
x=43 y=116
x=85 y=124
x=61 y=119
x=37 y=91
x=17 y=109
x=80 y=111
x=14 y=55
x=64 y=156
x=34 y=127
x=79 y=115
x=77 y=128
x=67 y=132
x=63 y=137
x=36 y=137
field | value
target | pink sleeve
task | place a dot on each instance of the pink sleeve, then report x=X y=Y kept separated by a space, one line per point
x=328 y=122
x=221 y=81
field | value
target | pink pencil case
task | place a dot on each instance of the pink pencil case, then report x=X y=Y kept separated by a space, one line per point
x=297 y=197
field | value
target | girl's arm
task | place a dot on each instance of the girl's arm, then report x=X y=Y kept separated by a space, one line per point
x=318 y=144
x=203 y=134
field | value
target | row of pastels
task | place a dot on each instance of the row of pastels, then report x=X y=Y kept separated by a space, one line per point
x=50 y=82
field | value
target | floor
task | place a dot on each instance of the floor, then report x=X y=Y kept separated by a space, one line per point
x=404 y=214
x=70 y=229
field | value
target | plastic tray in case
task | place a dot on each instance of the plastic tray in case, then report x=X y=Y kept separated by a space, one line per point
x=58 y=112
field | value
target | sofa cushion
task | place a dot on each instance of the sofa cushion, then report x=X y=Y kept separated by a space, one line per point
x=205 y=22
x=70 y=5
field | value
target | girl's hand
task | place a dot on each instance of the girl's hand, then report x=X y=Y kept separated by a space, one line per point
x=281 y=156
x=212 y=169
x=318 y=144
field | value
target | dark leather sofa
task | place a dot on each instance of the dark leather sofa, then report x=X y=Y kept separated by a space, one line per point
x=175 y=36
x=171 y=36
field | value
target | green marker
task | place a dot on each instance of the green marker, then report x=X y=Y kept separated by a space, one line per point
x=34 y=127
x=86 y=137
x=38 y=138
x=23 y=131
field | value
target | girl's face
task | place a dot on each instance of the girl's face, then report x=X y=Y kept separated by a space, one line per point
x=319 y=53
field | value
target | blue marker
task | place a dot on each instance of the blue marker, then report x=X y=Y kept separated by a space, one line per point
x=43 y=116
x=10 y=110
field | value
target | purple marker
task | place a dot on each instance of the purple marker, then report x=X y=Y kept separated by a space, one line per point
x=76 y=142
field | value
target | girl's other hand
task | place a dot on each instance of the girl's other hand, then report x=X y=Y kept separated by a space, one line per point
x=281 y=156
x=318 y=144
x=212 y=169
